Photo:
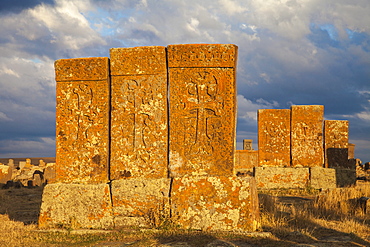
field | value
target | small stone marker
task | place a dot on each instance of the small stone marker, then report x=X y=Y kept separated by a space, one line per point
x=336 y=143
x=139 y=130
x=11 y=163
x=202 y=109
x=247 y=144
x=274 y=137
x=5 y=173
x=307 y=135
x=82 y=123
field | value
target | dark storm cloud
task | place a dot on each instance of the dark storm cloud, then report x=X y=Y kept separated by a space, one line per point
x=16 y=6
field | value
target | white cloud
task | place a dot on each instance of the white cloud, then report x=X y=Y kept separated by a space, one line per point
x=4 y=117
x=248 y=110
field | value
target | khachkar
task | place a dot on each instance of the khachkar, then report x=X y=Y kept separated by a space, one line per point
x=202 y=109
x=145 y=186
x=82 y=120
x=336 y=143
x=139 y=128
x=307 y=135
x=274 y=137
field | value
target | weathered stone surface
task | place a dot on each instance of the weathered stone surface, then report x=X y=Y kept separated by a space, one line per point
x=202 y=55
x=139 y=130
x=148 y=60
x=245 y=160
x=82 y=123
x=281 y=177
x=307 y=135
x=247 y=144
x=274 y=137
x=143 y=202
x=351 y=150
x=76 y=206
x=49 y=173
x=202 y=110
x=215 y=203
x=336 y=143
x=323 y=178
x=5 y=173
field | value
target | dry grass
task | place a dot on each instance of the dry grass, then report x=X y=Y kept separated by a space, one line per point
x=332 y=214
x=332 y=217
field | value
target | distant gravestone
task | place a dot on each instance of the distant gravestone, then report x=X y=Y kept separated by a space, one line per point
x=202 y=109
x=274 y=137
x=11 y=163
x=139 y=136
x=42 y=163
x=247 y=144
x=336 y=143
x=82 y=122
x=307 y=135
x=22 y=164
x=351 y=150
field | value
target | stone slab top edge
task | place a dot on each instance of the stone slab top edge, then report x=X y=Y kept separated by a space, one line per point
x=202 y=56
x=82 y=69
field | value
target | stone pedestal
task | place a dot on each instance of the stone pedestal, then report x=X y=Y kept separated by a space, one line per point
x=76 y=206
x=215 y=203
x=282 y=177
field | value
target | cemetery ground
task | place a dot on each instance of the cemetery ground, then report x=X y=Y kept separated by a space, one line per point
x=288 y=218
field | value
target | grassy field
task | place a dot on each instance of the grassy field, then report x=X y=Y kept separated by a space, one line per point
x=289 y=218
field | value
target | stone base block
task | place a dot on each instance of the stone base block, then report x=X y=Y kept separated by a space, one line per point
x=345 y=177
x=141 y=202
x=323 y=178
x=215 y=203
x=281 y=177
x=76 y=206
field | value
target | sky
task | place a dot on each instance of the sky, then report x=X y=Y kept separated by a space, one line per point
x=291 y=52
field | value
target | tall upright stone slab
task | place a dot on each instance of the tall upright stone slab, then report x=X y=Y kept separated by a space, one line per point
x=274 y=137
x=336 y=143
x=202 y=109
x=139 y=146
x=82 y=122
x=307 y=135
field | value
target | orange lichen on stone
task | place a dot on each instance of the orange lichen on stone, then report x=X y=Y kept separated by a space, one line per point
x=139 y=131
x=336 y=143
x=307 y=135
x=82 y=120
x=215 y=203
x=245 y=160
x=274 y=137
x=202 y=109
